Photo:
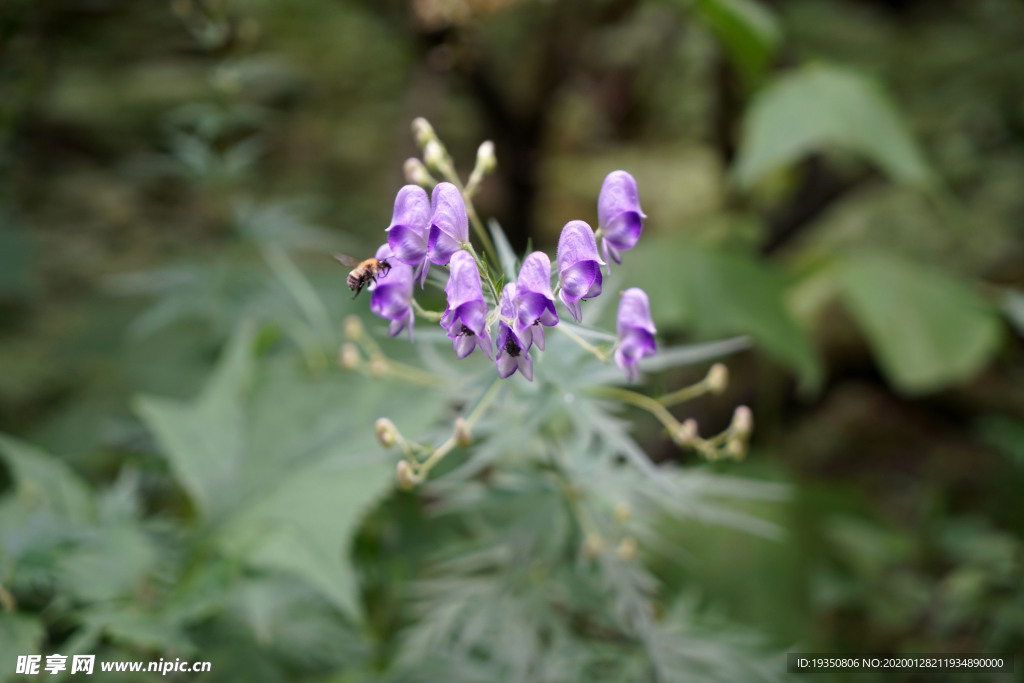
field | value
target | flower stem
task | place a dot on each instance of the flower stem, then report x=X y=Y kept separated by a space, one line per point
x=640 y=401
x=433 y=316
x=587 y=346
x=422 y=469
x=685 y=394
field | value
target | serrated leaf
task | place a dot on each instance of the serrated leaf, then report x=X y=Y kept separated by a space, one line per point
x=303 y=464
x=927 y=328
x=748 y=30
x=109 y=563
x=203 y=440
x=819 y=107
x=43 y=479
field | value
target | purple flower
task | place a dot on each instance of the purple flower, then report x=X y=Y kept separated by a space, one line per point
x=465 y=318
x=391 y=297
x=513 y=351
x=534 y=299
x=619 y=216
x=579 y=266
x=449 y=226
x=407 y=234
x=636 y=331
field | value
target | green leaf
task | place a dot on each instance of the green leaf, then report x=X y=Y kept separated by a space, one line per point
x=748 y=31
x=285 y=464
x=20 y=634
x=717 y=292
x=43 y=479
x=203 y=440
x=927 y=328
x=109 y=563
x=820 y=107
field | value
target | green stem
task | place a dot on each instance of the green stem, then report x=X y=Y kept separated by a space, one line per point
x=433 y=316
x=640 y=401
x=587 y=346
x=424 y=468
x=685 y=394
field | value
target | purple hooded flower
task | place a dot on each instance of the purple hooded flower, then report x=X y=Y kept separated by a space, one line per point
x=465 y=318
x=449 y=225
x=534 y=299
x=513 y=351
x=636 y=331
x=391 y=296
x=410 y=223
x=579 y=266
x=619 y=216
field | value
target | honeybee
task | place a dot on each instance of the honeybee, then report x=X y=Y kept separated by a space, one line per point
x=363 y=272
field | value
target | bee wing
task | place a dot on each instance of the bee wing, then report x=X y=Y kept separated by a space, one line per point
x=347 y=260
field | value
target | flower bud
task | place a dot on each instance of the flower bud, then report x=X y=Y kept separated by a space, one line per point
x=717 y=379
x=348 y=356
x=626 y=549
x=378 y=366
x=463 y=436
x=593 y=544
x=736 y=448
x=486 y=162
x=417 y=174
x=353 y=327
x=622 y=511
x=434 y=155
x=407 y=479
x=742 y=422
x=686 y=433
x=423 y=131
x=386 y=432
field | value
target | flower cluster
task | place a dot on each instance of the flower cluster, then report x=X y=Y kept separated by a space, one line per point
x=435 y=231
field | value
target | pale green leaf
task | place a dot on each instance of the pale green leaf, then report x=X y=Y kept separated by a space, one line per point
x=20 y=634
x=927 y=328
x=43 y=479
x=820 y=107
x=203 y=440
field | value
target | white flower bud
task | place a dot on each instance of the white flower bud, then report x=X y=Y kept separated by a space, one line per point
x=434 y=155
x=407 y=479
x=348 y=357
x=378 y=366
x=386 y=432
x=736 y=448
x=742 y=422
x=417 y=174
x=486 y=162
x=423 y=131
x=686 y=433
x=717 y=379
x=463 y=435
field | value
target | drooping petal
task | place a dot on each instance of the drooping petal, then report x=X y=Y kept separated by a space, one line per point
x=449 y=224
x=619 y=216
x=391 y=296
x=579 y=266
x=635 y=331
x=635 y=311
x=534 y=298
x=465 y=318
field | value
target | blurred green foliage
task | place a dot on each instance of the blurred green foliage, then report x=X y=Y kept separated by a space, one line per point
x=839 y=180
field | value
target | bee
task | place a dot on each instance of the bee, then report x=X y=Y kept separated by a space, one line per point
x=363 y=272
